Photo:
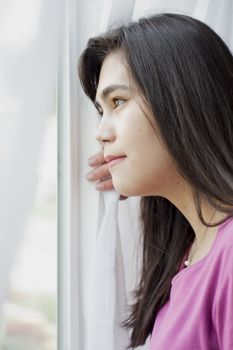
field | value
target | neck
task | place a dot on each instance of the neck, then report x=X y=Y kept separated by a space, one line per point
x=182 y=198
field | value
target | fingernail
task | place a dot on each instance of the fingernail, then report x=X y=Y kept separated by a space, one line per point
x=90 y=177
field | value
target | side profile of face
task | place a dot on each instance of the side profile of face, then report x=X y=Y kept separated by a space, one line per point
x=125 y=130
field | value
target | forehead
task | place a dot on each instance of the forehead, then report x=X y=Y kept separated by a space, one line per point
x=113 y=72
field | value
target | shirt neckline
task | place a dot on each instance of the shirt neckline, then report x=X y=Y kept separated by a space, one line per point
x=202 y=260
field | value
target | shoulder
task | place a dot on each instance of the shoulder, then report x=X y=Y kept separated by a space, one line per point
x=224 y=242
x=223 y=254
x=227 y=227
x=223 y=260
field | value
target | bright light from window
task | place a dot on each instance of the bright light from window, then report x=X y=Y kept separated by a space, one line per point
x=19 y=22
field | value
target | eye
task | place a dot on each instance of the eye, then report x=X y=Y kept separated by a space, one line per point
x=118 y=101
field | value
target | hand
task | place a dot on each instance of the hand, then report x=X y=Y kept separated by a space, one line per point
x=100 y=173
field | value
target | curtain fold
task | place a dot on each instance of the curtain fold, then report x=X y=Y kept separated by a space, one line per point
x=109 y=302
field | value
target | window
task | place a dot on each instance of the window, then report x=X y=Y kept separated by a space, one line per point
x=29 y=312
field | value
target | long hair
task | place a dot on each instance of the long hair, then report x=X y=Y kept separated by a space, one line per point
x=184 y=72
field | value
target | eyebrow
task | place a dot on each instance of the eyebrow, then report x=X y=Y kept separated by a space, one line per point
x=108 y=90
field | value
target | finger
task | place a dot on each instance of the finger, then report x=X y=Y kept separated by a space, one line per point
x=97 y=159
x=98 y=173
x=104 y=185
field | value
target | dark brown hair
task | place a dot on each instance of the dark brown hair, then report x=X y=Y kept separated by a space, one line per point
x=184 y=71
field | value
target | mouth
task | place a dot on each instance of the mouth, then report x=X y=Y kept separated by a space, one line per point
x=112 y=160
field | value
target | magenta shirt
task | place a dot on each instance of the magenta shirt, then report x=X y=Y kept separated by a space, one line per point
x=199 y=312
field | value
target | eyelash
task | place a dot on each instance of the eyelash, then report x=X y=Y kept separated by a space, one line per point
x=100 y=114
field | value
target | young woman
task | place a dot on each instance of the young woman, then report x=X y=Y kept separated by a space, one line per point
x=163 y=87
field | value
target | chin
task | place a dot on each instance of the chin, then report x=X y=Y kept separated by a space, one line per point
x=122 y=190
x=127 y=191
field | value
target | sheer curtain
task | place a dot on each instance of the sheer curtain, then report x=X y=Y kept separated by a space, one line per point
x=28 y=39
x=101 y=230
x=27 y=88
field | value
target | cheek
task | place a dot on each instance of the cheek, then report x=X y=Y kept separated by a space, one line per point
x=147 y=168
x=154 y=171
x=146 y=171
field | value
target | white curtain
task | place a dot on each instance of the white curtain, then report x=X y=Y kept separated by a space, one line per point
x=108 y=229
x=28 y=38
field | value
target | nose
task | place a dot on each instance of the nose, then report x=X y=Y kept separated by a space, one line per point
x=105 y=132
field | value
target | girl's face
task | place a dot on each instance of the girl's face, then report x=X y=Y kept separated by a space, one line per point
x=124 y=130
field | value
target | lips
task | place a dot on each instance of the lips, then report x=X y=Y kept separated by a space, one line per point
x=114 y=159
x=110 y=158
